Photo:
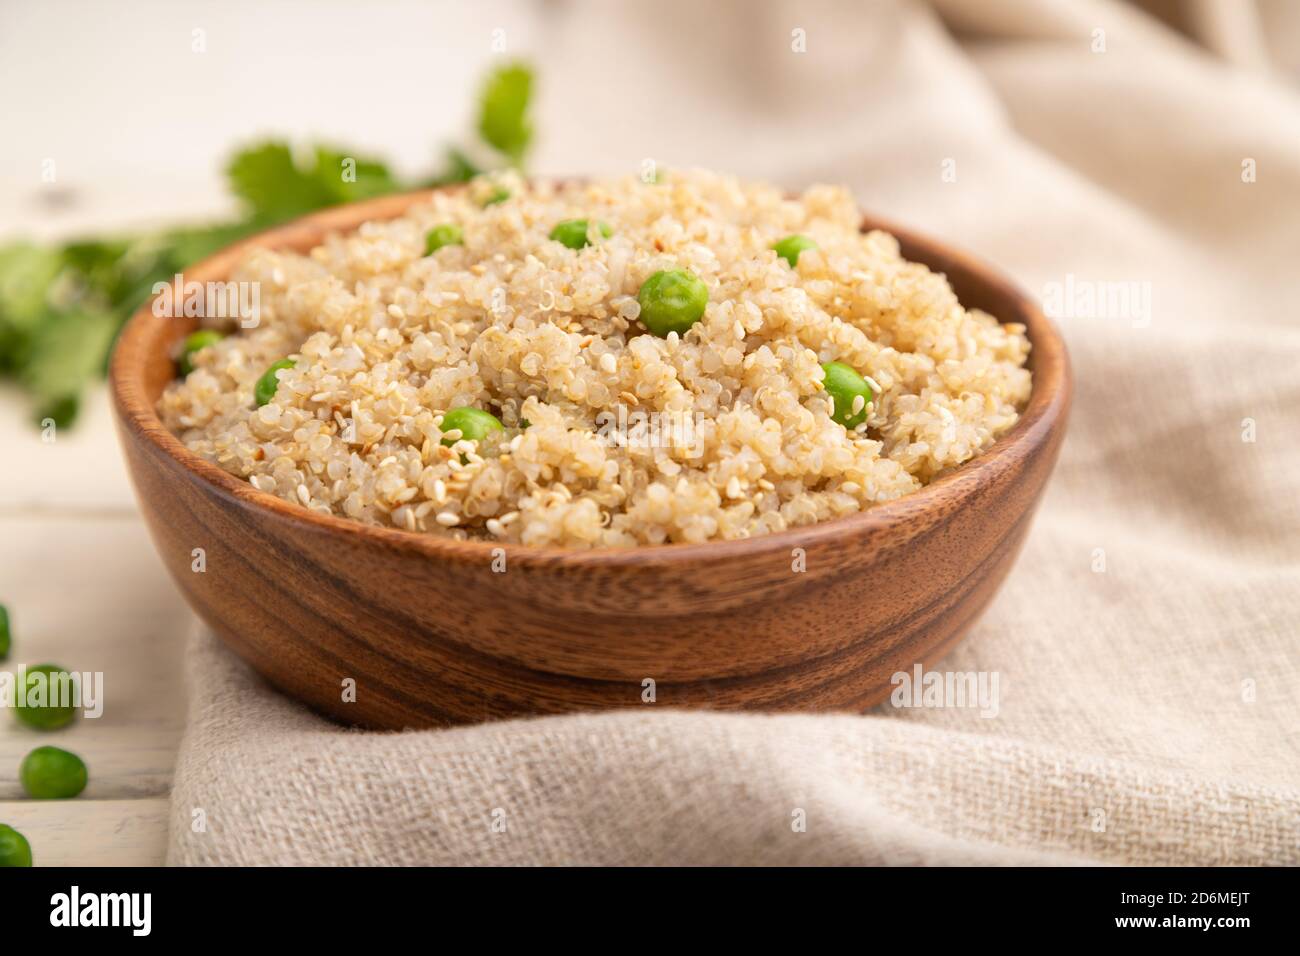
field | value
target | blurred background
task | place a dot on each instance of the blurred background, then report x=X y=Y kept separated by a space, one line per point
x=140 y=111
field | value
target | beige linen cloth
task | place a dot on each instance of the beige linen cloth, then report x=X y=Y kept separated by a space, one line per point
x=1147 y=643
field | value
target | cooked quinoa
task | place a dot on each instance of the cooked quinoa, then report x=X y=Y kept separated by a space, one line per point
x=386 y=339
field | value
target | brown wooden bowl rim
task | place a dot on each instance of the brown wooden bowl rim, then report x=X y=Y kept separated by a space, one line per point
x=1048 y=401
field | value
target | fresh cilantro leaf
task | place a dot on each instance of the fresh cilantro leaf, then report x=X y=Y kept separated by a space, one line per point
x=26 y=273
x=503 y=111
x=61 y=411
x=459 y=169
x=67 y=350
x=275 y=188
x=347 y=177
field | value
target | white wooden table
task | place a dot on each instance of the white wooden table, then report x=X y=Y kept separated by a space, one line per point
x=85 y=590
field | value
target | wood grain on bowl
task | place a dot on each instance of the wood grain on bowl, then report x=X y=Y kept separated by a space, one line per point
x=434 y=633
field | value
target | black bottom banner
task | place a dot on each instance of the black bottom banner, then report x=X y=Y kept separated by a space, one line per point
x=210 y=906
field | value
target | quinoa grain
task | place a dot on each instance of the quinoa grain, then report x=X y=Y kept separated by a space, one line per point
x=547 y=339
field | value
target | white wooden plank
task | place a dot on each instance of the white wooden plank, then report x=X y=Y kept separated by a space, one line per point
x=81 y=468
x=91 y=832
x=91 y=595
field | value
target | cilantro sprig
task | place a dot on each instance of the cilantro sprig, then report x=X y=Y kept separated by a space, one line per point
x=61 y=307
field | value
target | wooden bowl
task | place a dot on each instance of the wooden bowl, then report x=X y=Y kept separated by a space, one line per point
x=432 y=635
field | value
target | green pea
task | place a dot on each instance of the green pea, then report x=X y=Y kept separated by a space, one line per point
x=573 y=232
x=195 y=341
x=500 y=194
x=4 y=632
x=472 y=423
x=843 y=385
x=448 y=234
x=48 y=773
x=790 y=247
x=265 y=388
x=51 y=710
x=14 y=848
x=672 y=301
